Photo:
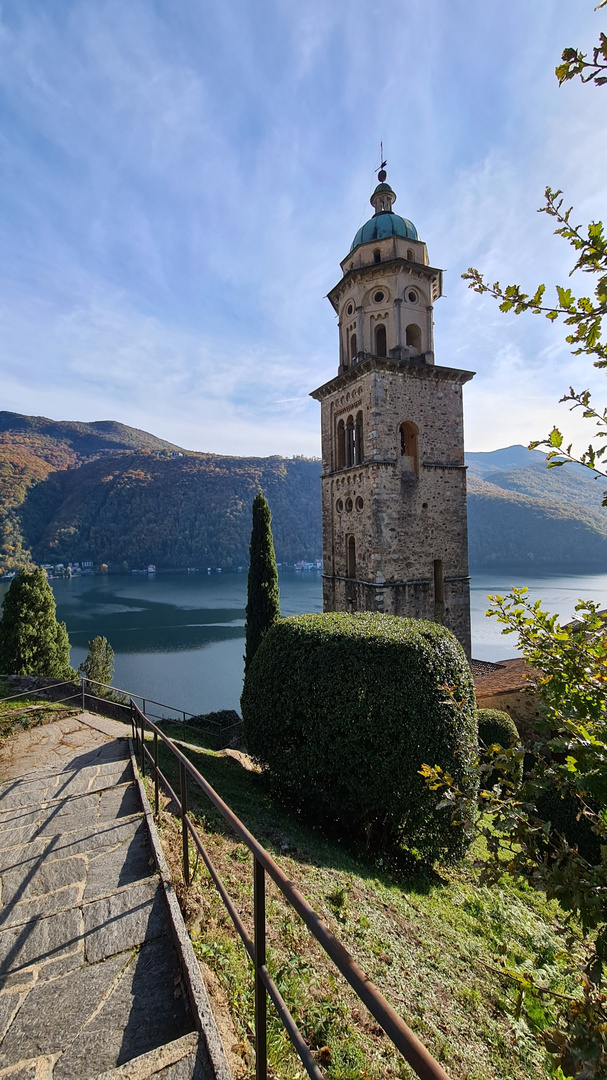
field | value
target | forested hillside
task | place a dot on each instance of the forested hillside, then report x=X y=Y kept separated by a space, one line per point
x=110 y=493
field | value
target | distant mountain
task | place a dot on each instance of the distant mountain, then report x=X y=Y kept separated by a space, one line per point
x=110 y=493
x=522 y=514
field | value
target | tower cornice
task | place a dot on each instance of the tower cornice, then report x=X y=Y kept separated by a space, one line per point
x=409 y=368
x=375 y=271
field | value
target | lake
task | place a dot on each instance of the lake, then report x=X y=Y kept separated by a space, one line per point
x=179 y=638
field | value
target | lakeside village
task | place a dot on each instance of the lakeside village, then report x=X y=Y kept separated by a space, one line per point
x=88 y=568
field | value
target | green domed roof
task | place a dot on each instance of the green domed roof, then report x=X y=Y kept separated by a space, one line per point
x=382 y=225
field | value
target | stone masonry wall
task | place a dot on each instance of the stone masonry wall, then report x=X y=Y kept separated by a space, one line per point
x=403 y=515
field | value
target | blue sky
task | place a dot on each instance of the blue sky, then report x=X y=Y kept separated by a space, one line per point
x=181 y=179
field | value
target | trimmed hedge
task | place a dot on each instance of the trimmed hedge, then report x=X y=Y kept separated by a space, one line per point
x=495 y=726
x=344 y=709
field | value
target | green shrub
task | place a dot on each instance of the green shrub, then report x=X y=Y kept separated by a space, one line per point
x=344 y=709
x=562 y=810
x=498 y=728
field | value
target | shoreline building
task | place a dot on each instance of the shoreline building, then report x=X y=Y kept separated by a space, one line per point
x=394 y=514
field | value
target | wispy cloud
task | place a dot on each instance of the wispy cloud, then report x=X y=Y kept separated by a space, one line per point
x=180 y=182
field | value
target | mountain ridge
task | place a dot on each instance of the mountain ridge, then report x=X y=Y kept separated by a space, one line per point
x=106 y=492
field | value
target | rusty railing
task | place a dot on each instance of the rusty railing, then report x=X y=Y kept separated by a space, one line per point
x=406 y=1042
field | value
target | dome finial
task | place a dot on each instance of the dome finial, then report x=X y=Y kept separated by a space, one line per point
x=383 y=196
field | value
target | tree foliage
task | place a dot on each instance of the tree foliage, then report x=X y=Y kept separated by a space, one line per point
x=98 y=666
x=32 y=642
x=343 y=709
x=263 y=596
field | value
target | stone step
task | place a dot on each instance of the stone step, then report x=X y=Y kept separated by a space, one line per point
x=183 y=1059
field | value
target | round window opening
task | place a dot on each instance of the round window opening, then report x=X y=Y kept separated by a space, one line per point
x=349 y=309
x=412 y=297
x=339 y=505
x=378 y=297
x=349 y=505
x=359 y=503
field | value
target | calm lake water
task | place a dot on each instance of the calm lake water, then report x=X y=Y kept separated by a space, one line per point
x=179 y=638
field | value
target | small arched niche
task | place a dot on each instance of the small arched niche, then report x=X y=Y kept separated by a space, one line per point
x=410 y=255
x=353 y=347
x=413 y=337
x=377 y=255
x=381 y=341
x=409 y=447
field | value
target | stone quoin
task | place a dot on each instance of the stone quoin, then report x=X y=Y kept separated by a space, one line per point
x=395 y=533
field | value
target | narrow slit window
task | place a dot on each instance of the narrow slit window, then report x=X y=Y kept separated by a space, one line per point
x=439 y=582
x=377 y=255
x=409 y=447
x=381 y=345
x=349 y=442
x=340 y=462
x=351 y=557
x=358 y=439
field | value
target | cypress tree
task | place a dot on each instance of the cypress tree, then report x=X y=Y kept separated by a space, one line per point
x=263 y=598
x=98 y=667
x=32 y=642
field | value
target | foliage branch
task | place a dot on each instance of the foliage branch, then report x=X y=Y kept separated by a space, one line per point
x=583 y=315
x=551 y=831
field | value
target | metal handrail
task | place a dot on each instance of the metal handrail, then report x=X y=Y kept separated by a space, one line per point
x=403 y=1038
x=214 y=726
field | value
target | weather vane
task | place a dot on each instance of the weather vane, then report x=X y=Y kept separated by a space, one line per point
x=381 y=172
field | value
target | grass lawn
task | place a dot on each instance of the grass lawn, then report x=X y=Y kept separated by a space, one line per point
x=25 y=712
x=432 y=942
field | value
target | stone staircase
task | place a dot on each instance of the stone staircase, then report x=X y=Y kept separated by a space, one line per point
x=97 y=974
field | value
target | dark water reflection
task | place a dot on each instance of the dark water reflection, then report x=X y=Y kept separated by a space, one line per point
x=179 y=638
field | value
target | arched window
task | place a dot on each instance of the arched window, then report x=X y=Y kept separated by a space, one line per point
x=413 y=337
x=349 y=442
x=381 y=345
x=409 y=451
x=377 y=255
x=353 y=347
x=358 y=439
x=340 y=462
x=410 y=255
x=351 y=557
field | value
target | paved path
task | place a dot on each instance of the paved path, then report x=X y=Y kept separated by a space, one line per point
x=89 y=975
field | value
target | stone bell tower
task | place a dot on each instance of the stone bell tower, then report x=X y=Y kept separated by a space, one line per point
x=395 y=535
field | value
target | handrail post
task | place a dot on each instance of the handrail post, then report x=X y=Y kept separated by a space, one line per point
x=184 y=725
x=156 y=793
x=133 y=728
x=183 y=798
x=82 y=680
x=142 y=744
x=261 y=1004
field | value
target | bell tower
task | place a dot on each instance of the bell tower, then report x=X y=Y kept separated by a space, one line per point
x=395 y=535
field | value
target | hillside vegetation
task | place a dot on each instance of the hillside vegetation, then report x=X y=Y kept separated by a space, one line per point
x=434 y=944
x=114 y=494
